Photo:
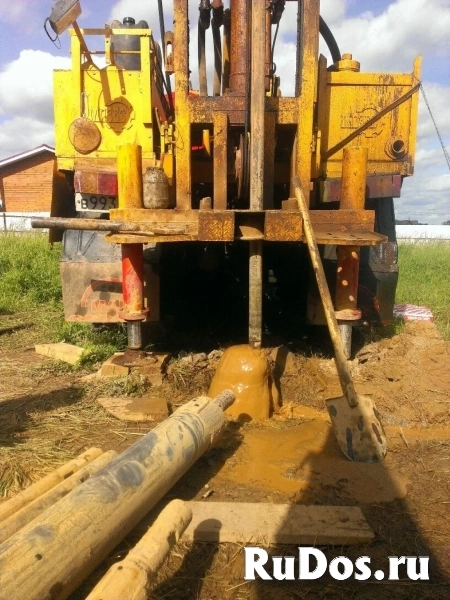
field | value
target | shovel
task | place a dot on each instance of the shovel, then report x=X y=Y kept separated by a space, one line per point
x=355 y=420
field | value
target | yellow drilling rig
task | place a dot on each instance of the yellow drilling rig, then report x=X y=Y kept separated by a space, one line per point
x=179 y=201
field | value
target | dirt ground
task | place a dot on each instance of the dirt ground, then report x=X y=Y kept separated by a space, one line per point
x=49 y=413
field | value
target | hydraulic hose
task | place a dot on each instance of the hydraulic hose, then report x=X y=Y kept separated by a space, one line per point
x=330 y=41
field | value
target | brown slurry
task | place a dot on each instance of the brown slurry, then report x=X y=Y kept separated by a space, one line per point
x=407 y=376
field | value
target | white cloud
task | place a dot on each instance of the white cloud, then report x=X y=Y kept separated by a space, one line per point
x=26 y=84
x=333 y=11
x=390 y=41
x=26 y=101
x=23 y=133
x=13 y=11
x=27 y=14
x=425 y=196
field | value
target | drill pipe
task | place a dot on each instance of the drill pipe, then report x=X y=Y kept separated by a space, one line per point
x=52 y=555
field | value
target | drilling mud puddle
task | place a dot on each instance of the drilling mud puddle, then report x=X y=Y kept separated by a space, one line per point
x=302 y=460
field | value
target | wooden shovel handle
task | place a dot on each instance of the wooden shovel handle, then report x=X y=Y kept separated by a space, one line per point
x=345 y=377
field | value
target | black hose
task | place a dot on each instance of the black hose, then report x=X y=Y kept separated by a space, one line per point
x=330 y=41
x=163 y=43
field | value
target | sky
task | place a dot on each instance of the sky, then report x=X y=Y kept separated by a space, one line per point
x=383 y=35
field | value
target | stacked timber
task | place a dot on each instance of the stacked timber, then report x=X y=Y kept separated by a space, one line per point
x=51 y=554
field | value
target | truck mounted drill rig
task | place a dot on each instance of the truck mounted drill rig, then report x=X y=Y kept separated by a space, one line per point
x=153 y=186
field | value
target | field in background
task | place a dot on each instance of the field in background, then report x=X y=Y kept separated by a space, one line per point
x=30 y=286
x=424 y=280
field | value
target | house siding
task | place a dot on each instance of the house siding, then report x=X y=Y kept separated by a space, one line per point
x=26 y=185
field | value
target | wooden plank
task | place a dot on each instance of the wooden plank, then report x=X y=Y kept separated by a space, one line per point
x=67 y=352
x=259 y=523
x=145 y=408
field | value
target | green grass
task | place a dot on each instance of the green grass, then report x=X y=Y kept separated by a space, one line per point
x=30 y=288
x=424 y=280
x=29 y=272
x=30 y=285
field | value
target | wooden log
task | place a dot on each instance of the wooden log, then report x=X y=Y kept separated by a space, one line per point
x=34 y=509
x=50 y=558
x=35 y=490
x=130 y=577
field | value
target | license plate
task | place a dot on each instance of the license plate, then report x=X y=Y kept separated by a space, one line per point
x=95 y=202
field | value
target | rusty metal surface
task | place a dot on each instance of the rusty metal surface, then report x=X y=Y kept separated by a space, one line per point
x=283 y=226
x=307 y=98
x=133 y=280
x=220 y=160
x=347 y=278
x=268 y=52
x=182 y=117
x=142 y=238
x=161 y=216
x=353 y=227
x=269 y=160
x=348 y=315
x=201 y=109
x=377 y=109
x=347 y=238
x=216 y=226
x=257 y=107
x=84 y=135
x=377 y=186
x=354 y=168
x=289 y=204
x=92 y=292
x=239 y=46
x=358 y=131
x=255 y=294
x=344 y=220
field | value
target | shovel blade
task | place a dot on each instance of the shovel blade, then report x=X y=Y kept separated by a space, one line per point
x=358 y=429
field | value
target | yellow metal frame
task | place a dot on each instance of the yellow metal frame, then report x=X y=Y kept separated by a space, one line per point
x=348 y=99
x=214 y=111
x=118 y=101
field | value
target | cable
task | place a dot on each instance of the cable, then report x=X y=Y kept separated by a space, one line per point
x=272 y=66
x=444 y=149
